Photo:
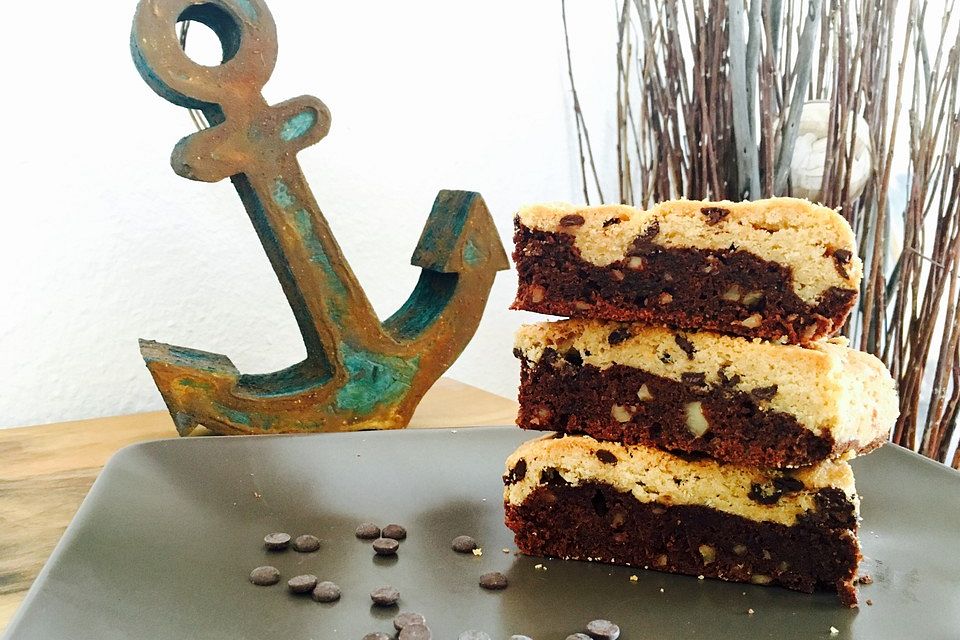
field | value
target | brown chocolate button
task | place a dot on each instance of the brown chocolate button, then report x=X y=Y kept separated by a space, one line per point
x=302 y=584
x=415 y=632
x=406 y=618
x=276 y=541
x=306 y=543
x=384 y=596
x=394 y=531
x=325 y=591
x=603 y=630
x=265 y=576
x=463 y=544
x=385 y=547
x=368 y=531
x=376 y=635
x=493 y=580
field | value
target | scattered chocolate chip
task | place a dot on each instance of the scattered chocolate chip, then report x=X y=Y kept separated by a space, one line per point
x=577 y=636
x=606 y=457
x=376 y=635
x=368 y=531
x=493 y=580
x=618 y=335
x=518 y=473
x=463 y=544
x=841 y=258
x=326 y=591
x=572 y=220
x=603 y=630
x=384 y=596
x=474 y=635
x=694 y=378
x=406 y=618
x=642 y=245
x=265 y=576
x=415 y=632
x=865 y=579
x=764 y=393
x=306 y=543
x=684 y=344
x=394 y=531
x=276 y=541
x=385 y=546
x=609 y=222
x=764 y=493
x=714 y=214
x=732 y=381
x=550 y=475
x=572 y=356
x=302 y=584
x=869 y=602
x=788 y=484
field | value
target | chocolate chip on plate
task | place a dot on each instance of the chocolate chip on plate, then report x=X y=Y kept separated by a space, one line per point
x=368 y=531
x=376 y=635
x=302 y=584
x=384 y=596
x=325 y=591
x=519 y=637
x=493 y=580
x=415 y=632
x=577 y=636
x=406 y=618
x=463 y=544
x=603 y=630
x=306 y=543
x=265 y=576
x=474 y=635
x=385 y=547
x=276 y=541
x=394 y=531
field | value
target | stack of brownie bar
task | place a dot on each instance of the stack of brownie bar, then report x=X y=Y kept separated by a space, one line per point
x=703 y=414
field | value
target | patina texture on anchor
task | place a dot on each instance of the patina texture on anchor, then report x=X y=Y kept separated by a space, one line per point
x=359 y=373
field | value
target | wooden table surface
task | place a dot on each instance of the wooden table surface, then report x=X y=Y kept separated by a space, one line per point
x=46 y=471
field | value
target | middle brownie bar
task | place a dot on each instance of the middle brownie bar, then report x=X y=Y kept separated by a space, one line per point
x=702 y=393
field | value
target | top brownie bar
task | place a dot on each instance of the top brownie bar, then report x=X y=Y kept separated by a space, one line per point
x=780 y=269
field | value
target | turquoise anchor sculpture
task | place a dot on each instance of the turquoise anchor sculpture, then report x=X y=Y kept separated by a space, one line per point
x=359 y=373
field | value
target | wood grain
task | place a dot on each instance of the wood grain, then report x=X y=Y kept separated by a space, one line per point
x=46 y=471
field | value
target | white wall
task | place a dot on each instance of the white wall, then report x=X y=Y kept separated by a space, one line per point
x=101 y=243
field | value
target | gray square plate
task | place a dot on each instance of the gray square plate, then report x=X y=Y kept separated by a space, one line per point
x=162 y=547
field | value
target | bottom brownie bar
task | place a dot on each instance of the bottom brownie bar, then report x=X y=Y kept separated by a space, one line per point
x=578 y=499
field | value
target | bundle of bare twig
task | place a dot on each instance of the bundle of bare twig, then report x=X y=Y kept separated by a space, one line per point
x=755 y=98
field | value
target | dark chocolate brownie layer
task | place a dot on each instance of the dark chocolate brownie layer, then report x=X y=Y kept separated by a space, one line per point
x=597 y=522
x=731 y=291
x=559 y=393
